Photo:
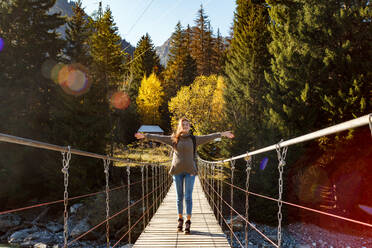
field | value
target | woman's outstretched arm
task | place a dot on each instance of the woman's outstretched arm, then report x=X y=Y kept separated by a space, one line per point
x=202 y=139
x=165 y=139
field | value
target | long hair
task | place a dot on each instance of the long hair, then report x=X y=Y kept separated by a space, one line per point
x=176 y=135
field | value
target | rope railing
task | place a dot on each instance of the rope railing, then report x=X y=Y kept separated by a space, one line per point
x=208 y=182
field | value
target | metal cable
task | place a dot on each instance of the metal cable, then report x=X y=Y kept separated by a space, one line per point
x=243 y=218
x=302 y=207
x=143 y=215
x=128 y=195
x=113 y=216
x=231 y=231
x=147 y=191
x=68 y=199
x=143 y=196
x=281 y=158
x=248 y=171
x=232 y=196
x=106 y=164
x=66 y=157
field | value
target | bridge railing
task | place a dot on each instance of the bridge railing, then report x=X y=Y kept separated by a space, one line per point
x=210 y=173
x=155 y=182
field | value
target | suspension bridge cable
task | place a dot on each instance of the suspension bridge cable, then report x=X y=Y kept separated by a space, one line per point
x=242 y=217
x=69 y=199
x=358 y=122
x=47 y=146
x=303 y=207
x=143 y=215
x=228 y=226
x=110 y=218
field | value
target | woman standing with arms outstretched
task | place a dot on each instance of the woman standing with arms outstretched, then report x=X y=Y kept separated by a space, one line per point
x=184 y=167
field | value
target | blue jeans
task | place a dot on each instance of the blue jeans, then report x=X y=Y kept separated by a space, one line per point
x=179 y=181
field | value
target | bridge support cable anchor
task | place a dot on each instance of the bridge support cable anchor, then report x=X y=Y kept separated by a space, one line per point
x=248 y=171
x=232 y=162
x=66 y=157
x=106 y=165
x=281 y=153
x=128 y=195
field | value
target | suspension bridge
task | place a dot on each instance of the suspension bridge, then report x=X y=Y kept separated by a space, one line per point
x=158 y=201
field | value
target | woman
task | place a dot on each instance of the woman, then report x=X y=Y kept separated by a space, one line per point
x=183 y=167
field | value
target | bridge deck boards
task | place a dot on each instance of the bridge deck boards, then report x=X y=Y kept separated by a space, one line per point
x=162 y=232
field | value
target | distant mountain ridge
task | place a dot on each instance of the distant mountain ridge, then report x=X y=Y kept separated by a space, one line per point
x=163 y=52
x=65 y=8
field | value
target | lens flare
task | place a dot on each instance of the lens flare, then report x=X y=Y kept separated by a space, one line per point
x=263 y=163
x=1 y=44
x=366 y=209
x=73 y=79
x=55 y=72
x=120 y=100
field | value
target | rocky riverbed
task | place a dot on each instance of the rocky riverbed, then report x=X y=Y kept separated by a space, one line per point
x=300 y=235
x=15 y=232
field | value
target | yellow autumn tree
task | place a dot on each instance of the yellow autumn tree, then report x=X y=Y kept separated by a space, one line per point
x=149 y=100
x=202 y=102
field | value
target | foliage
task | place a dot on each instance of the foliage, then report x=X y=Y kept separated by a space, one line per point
x=149 y=100
x=145 y=61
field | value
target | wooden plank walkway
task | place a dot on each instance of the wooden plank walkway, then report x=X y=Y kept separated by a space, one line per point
x=162 y=229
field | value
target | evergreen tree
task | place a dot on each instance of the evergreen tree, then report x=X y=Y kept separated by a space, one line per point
x=30 y=39
x=201 y=43
x=107 y=69
x=145 y=61
x=77 y=34
x=319 y=63
x=247 y=60
x=219 y=55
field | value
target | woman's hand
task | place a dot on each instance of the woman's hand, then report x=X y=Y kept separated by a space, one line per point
x=227 y=134
x=139 y=135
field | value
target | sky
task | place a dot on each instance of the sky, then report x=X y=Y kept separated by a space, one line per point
x=159 y=17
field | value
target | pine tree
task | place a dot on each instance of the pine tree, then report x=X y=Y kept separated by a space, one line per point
x=247 y=60
x=145 y=61
x=320 y=63
x=107 y=68
x=77 y=34
x=219 y=55
x=30 y=39
x=201 y=43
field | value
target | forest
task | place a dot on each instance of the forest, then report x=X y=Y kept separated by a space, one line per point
x=287 y=68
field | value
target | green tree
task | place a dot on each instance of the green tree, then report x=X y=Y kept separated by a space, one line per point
x=30 y=39
x=202 y=43
x=77 y=35
x=320 y=70
x=247 y=60
x=145 y=61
